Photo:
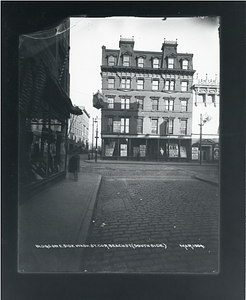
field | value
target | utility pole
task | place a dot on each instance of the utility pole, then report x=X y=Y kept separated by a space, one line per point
x=96 y=139
x=201 y=124
x=92 y=136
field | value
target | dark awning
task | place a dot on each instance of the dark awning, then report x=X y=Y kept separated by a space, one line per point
x=55 y=85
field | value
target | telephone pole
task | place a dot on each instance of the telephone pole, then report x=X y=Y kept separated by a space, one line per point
x=201 y=124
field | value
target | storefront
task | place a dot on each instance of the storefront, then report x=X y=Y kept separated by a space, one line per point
x=43 y=136
x=162 y=149
x=209 y=151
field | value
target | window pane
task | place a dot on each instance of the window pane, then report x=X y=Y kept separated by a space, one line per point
x=128 y=103
x=170 y=63
x=110 y=102
x=116 y=126
x=122 y=103
x=171 y=85
x=183 y=105
x=184 y=86
x=140 y=62
x=185 y=64
x=111 y=83
x=126 y=61
x=171 y=105
x=167 y=85
x=111 y=61
x=140 y=84
x=156 y=63
x=155 y=85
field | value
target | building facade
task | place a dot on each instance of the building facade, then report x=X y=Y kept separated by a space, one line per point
x=206 y=115
x=44 y=108
x=78 y=131
x=146 y=102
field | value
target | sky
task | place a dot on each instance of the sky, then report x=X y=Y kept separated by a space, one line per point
x=197 y=35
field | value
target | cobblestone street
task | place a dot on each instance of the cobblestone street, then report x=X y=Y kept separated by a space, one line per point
x=159 y=218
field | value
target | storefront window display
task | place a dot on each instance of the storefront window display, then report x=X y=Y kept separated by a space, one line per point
x=43 y=148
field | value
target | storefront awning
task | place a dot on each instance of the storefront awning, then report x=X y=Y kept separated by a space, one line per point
x=62 y=95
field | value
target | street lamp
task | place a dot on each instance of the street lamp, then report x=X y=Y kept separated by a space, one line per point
x=96 y=137
x=94 y=121
x=203 y=121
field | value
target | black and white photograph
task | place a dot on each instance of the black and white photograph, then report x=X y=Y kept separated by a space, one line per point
x=119 y=146
x=123 y=150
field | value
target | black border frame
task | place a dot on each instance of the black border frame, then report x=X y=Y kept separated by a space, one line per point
x=26 y=17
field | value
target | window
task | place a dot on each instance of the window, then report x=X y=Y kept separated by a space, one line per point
x=185 y=64
x=124 y=125
x=140 y=103
x=154 y=126
x=169 y=85
x=140 y=125
x=184 y=86
x=155 y=85
x=126 y=60
x=110 y=125
x=125 y=83
x=111 y=83
x=110 y=102
x=155 y=104
x=170 y=63
x=183 y=126
x=140 y=84
x=140 y=62
x=111 y=60
x=116 y=126
x=170 y=126
x=156 y=63
x=125 y=103
x=183 y=105
x=169 y=105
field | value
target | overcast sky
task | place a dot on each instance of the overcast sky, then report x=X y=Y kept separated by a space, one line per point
x=87 y=36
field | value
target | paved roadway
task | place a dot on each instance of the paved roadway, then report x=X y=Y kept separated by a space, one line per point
x=153 y=218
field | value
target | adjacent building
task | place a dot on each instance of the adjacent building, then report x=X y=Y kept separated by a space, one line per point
x=205 y=140
x=78 y=131
x=146 y=102
x=44 y=108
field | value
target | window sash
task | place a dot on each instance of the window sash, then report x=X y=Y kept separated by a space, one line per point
x=156 y=63
x=183 y=105
x=125 y=83
x=184 y=86
x=170 y=126
x=155 y=85
x=116 y=126
x=124 y=125
x=111 y=83
x=125 y=103
x=154 y=126
x=140 y=84
x=140 y=62
x=183 y=126
x=110 y=102
x=110 y=125
x=185 y=64
x=154 y=104
x=139 y=125
x=170 y=63
x=111 y=60
x=140 y=103
x=126 y=61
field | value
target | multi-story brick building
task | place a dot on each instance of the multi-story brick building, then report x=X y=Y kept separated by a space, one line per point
x=78 y=131
x=146 y=102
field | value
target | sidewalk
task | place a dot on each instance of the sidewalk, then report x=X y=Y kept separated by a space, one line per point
x=54 y=220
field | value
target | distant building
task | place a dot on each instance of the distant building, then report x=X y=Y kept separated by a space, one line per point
x=78 y=131
x=146 y=102
x=44 y=108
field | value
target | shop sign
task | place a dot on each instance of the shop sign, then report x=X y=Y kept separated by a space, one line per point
x=194 y=153
x=142 y=149
x=173 y=150
x=183 y=152
x=109 y=149
x=123 y=150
